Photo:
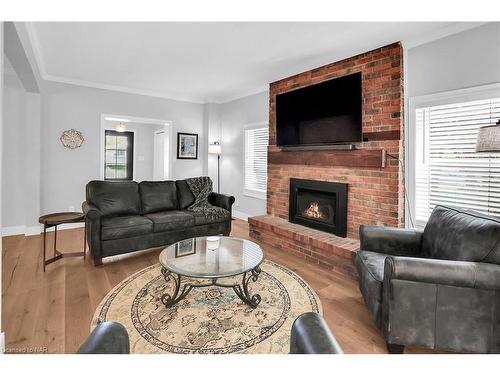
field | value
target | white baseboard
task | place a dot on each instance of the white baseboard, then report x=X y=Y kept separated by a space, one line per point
x=13 y=231
x=65 y=226
x=2 y=342
x=241 y=215
x=35 y=230
x=32 y=231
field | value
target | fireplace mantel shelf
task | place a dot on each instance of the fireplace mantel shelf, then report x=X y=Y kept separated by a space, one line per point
x=362 y=158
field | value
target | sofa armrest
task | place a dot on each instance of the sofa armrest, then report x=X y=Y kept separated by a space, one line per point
x=91 y=211
x=475 y=275
x=93 y=223
x=392 y=241
x=311 y=335
x=222 y=200
x=106 y=338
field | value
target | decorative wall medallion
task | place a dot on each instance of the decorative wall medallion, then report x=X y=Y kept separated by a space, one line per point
x=72 y=139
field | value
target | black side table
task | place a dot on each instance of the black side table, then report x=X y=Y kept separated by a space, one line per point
x=55 y=219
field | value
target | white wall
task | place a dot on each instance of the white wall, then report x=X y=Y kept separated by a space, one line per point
x=65 y=172
x=234 y=116
x=13 y=162
x=467 y=59
x=2 y=337
x=31 y=148
x=212 y=120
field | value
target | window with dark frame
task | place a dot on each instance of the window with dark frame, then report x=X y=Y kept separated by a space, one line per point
x=119 y=155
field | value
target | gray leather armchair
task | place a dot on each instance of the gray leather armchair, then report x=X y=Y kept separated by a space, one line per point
x=438 y=288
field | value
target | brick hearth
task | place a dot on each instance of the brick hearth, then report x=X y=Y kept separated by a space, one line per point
x=319 y=247
x=375 y=193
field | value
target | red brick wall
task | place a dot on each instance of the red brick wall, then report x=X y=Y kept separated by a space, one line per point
x=375 y=194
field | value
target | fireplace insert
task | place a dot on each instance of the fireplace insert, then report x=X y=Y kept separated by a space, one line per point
x=319 y=204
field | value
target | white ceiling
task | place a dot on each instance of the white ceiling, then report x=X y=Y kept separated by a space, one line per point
x=207 y=62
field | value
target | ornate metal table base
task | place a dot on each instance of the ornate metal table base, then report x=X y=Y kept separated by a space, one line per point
x=241 y=290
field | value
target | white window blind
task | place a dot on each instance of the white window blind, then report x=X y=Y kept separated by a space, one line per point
x=256 y=141
x=448 y=170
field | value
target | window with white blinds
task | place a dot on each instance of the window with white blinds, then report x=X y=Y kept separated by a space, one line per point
x=256 y=141
x=448 y=170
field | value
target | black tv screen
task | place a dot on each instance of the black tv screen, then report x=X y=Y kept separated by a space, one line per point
x=324 y=113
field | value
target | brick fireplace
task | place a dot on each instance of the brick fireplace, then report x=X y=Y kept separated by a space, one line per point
x=375 y=181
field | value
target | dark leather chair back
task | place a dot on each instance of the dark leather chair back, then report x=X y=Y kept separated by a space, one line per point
x=158 y=196
x=114 y=198
x=106 y=338
x=311 y=335
x=454 y=234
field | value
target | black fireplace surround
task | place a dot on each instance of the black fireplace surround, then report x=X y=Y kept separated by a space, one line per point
x=319 y=204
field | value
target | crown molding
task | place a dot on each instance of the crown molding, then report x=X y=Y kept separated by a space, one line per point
x=35 y=47
x=38 y=55
x=452 y=29
x=241 y=95
x=37 y=52
x=127 y=90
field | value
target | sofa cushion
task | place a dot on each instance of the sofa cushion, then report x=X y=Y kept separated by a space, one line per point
x=454 y=234
x=184 y=194
x=370 y=267
x=114 y=198
x=203 y=219
x=158 y=196
x=114 y=228
x=170 y=220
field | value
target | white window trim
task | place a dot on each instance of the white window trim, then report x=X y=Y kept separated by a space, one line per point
x=255 y=193
x=441 y=98
x=258 y=194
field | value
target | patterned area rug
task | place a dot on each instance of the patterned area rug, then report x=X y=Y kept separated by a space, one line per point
x=209 y=320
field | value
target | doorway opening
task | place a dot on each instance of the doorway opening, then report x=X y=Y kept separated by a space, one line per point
x=142 y=149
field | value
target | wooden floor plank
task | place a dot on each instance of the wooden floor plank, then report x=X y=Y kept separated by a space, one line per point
x=54 y=309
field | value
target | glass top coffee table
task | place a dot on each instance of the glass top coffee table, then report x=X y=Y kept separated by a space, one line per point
x=211 y=258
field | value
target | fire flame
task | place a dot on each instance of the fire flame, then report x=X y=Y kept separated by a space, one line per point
x=314 y=211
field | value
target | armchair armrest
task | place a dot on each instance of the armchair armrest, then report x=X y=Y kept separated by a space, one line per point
x=311 y=335
x=444 y=272
x=106 y=338
x=392 y=241
x=222 y=200
x=91 y=211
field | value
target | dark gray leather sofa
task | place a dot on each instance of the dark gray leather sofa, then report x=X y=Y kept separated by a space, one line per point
x=124 y=216
x=438 y=288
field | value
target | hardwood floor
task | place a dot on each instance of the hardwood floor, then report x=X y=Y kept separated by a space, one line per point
x=53 y=310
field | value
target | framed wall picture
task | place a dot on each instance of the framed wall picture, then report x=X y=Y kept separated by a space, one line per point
x=187 y=146
x=185 y=248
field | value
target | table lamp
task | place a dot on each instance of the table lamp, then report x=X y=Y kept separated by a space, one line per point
x=488 y=138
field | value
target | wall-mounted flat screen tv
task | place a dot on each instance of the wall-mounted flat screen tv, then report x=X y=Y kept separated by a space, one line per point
x=325 y=113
